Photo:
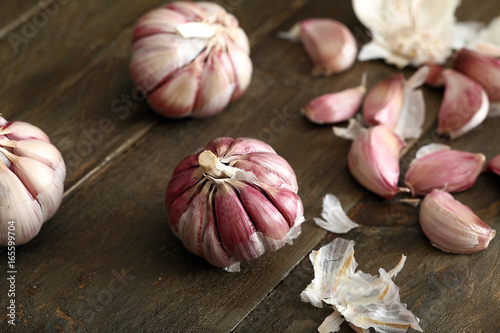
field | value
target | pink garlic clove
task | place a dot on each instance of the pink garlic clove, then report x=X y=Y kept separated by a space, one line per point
x=464 y=106
x=183 y=84
x=220 y=146
x=216 y=86
x=374 y=160
x=329 y=43
x=287 y=202
x=184 y=180
x=190 y=10
x=435 y=77
x=451 y=226
x=155 y=57
x=244 y=146
x=19 y=130
x=237 y=36
x=445 y=169
x=494 y=165
x=266 y=217
x=336 y=107
x=160 y=20
x=19 y=206
x=243 y=68
x=483 y=69
x=234 y=226
x=384 y=102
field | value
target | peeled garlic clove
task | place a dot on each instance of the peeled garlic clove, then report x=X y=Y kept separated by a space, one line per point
x=444 y=169
x=32 y=173
x=374 y=160
x=223 y=211
x=329 y=43
x=483 y=69
x=465 y=105
x=190 y=59
x=336 y=107
x=435 y=77
x=384 y=102
x=451 y=226
x=494 y=165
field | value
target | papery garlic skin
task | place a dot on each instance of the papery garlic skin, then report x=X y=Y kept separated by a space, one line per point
x=494 y=165
x=464 y=106
x=361 y=299
x=234 y=201
x=481 y=68
x=190 y=58
x=374 y=160
x=451 y=226
x=32 y=173
x=329 y=43
x=445 y=169
x=336 y=107
x=413 y=32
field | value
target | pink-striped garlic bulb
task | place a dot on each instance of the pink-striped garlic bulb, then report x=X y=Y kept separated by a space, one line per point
x=32 y=173
x=190 y=58
x=233 y=201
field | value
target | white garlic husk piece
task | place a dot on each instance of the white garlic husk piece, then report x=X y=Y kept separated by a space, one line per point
x=413 y=32
x=361 y=299
x=234 y=201
x=190 y=58
x=32 y=173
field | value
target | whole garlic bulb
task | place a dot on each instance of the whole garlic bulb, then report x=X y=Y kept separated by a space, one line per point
x=32 y=173
x=191 y=58
x=233 y=201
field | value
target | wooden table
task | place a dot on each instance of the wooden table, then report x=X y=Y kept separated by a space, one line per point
x=107 y=261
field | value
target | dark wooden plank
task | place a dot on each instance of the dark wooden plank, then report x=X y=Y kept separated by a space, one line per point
x=15 y=14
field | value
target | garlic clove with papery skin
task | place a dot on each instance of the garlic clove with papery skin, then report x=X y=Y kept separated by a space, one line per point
x=451 y=226
x=465 y=105
x=329 y=43
x=435 y=77
x=234 y=201
x=443 y=168
x=384 y=102
x=32 y=174
x=374 y=160
x=483 y=69
x=336 y=107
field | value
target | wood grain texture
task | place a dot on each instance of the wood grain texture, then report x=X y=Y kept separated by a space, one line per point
x=108 y=262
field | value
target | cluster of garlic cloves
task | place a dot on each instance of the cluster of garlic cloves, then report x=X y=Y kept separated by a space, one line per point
x=191 y=59
x=451 y=226
x=32 y=173
x=233 y=201
x=329 y=43
x=336 y=107
x=439 y=167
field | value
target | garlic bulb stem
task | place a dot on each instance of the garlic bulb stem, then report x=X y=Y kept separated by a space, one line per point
x=211 y=165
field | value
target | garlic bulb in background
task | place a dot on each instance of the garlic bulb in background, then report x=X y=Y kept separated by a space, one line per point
x=233 y=201
x=32 y=173
x=191 y=59
x=451 y=226
x=329 y=43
